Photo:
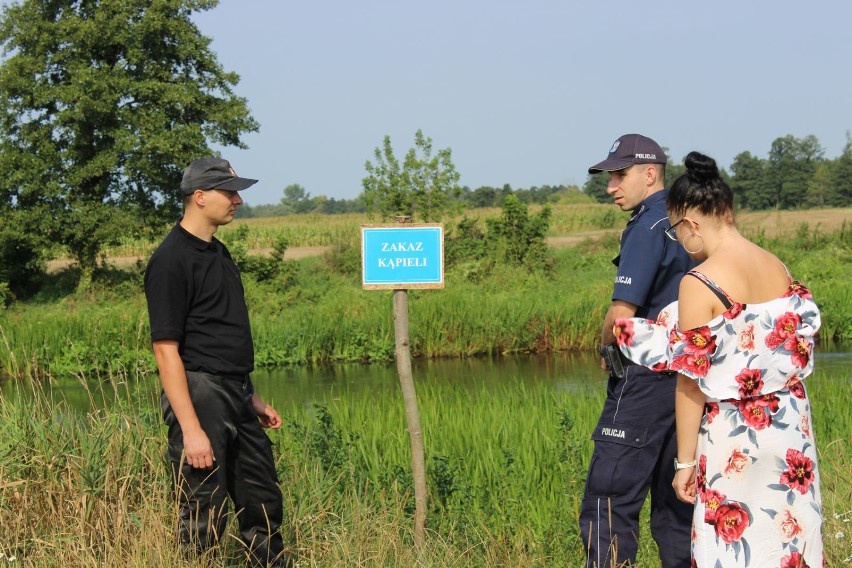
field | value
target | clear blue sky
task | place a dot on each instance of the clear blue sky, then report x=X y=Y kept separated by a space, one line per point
x=525 y=93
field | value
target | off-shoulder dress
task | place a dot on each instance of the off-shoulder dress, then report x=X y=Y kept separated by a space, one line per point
x=758 y=498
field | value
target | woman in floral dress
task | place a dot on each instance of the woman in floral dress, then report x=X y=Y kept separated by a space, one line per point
x=741 y=338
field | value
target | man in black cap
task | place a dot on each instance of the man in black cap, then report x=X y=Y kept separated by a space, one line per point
x=204 y=351
x=635 y=443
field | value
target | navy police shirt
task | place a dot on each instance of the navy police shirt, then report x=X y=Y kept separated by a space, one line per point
x=195 y=296
x=650 y=265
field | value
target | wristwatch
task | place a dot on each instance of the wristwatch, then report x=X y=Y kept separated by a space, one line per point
x=683 y=465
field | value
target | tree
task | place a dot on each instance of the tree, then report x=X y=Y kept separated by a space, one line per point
x=596 y=185
x=483 y=196
x=423 y=187
x=792 y=163
x=842 y=177
x=821 y=190
x=102 y=104
x=748 y=183
x=296 y=199
x=673 y=171
x=20 y=260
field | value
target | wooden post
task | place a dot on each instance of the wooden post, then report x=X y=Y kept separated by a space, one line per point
x=412 y=413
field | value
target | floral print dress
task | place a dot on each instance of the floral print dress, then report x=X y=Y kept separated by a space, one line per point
x=757 y=485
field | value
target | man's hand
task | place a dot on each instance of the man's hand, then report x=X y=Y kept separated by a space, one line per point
x=617 y=310
x=268 y=416
x=197 y=448
x=196 y=444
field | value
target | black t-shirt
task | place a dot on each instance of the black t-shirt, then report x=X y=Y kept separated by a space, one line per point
x=195 y=296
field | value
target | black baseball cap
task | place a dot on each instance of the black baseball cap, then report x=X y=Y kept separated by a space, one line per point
x=212 y=173
x=628 y=150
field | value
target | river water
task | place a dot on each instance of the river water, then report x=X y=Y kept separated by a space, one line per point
x=304 y=386
x=563 y=371
x=319 y=384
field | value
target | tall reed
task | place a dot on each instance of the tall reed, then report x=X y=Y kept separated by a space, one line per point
x=506 y=466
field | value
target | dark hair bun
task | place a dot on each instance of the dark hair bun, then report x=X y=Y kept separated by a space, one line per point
x=700 y=168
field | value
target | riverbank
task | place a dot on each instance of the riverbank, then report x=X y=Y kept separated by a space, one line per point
x=315 y=311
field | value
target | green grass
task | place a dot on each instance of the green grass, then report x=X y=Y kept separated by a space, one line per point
x=506 y=465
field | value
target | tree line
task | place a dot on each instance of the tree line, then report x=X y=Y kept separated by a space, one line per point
x=297 y=200
x=794 y=175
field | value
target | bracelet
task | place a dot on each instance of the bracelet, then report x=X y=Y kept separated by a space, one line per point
x=683 y=465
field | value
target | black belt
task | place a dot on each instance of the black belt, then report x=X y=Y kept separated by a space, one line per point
x=227 y=377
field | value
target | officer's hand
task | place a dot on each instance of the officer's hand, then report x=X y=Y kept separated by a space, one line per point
x=684 y=485
x=603 y=366
x=268 y=416
x=199 y=452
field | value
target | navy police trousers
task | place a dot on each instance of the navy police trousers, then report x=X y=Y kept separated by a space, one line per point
x=244 y=470
x=635 y=447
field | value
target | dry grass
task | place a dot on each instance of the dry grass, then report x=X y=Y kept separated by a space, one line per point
x=775 y=223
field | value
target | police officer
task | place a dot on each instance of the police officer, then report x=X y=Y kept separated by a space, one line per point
x=634 y=440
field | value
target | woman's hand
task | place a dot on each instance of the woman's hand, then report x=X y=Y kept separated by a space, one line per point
x=684 y=485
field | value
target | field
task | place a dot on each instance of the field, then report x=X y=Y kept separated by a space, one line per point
x=313 y=234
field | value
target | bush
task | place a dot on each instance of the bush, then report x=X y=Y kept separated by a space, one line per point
x=270 y=268
x=465 y=242
x=520 y=239
x=22 y=262
x=514 y=238
x=5 y=294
